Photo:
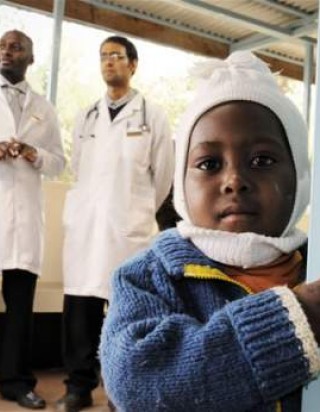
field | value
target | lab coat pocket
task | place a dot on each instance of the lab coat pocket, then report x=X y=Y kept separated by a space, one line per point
x=136 y=147
x=140 y=216
x=33 y=127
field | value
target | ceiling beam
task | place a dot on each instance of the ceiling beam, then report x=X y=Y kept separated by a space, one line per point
x=171 y=23
x=76 y=10
x=284 y=8
x=295 y=71
x=254 y=42
x=80 y=12
x=259 y=26
x=298 y=28
x=259 y=41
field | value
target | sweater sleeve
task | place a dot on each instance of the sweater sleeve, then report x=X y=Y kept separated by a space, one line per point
x=157 y=357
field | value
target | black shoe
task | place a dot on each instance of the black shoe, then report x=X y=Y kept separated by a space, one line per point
x=74 y=402
x=31 y=400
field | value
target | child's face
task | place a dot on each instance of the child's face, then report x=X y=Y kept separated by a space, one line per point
x=240 y=175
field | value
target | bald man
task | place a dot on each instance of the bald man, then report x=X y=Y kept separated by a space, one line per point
x=30 y=146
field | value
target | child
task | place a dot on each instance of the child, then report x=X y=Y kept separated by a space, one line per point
x=206 y=319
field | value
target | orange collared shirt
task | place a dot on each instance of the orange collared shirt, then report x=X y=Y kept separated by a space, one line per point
x=284 y=271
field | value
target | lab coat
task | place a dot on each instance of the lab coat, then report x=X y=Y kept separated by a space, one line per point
x=123 y=176
x=21 y=212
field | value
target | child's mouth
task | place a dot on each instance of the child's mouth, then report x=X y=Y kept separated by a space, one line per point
x=236 y=218
x=237 y=212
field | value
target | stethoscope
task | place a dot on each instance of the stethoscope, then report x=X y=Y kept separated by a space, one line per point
x=93 y=114
x=143 y=125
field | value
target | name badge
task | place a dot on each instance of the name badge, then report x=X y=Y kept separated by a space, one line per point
x=134 y=133
x=36 y=118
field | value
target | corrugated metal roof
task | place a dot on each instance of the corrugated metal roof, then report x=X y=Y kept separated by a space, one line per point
x=277 y=28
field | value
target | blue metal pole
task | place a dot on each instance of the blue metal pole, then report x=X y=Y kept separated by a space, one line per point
x=311 y=395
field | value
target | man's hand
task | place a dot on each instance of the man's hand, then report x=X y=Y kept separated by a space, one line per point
x=28 y=152
x=19 y=149
x=13 y=149
x=3 y=150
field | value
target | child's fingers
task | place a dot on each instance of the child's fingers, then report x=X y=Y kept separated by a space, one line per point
x=309 y=297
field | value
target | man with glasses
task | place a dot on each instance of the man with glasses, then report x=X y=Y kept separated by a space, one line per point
x=30 y=147
x=123 y=163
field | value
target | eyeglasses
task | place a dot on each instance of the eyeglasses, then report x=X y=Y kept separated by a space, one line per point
x=113 y=57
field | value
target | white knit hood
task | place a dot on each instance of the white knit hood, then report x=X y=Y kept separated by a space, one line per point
x=242 y=76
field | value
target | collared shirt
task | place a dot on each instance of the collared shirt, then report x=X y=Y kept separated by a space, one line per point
x=15 y=95
x=284 y=271
x=115 y=106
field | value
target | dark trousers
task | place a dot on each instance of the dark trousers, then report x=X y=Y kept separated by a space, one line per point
x=18 y=288
x=82 y=323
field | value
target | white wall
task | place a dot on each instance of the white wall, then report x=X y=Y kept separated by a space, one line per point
x=49 y=294
x=49 y=291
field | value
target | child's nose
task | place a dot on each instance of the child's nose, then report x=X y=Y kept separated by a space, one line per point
x=235 y=181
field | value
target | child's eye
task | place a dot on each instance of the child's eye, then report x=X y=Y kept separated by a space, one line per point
x=209 y=164
x=262 y=161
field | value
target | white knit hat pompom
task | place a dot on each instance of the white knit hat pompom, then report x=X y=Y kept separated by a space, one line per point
x=243 y=76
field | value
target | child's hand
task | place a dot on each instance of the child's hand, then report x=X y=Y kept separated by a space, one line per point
x=309 y=297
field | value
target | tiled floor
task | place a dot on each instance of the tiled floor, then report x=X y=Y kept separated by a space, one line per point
x=50 y=387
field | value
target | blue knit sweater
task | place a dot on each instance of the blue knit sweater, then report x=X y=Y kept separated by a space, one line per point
x=180 y=337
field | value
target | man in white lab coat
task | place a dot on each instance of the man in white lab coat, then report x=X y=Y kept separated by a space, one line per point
x=30 y=146
x=123 y=162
